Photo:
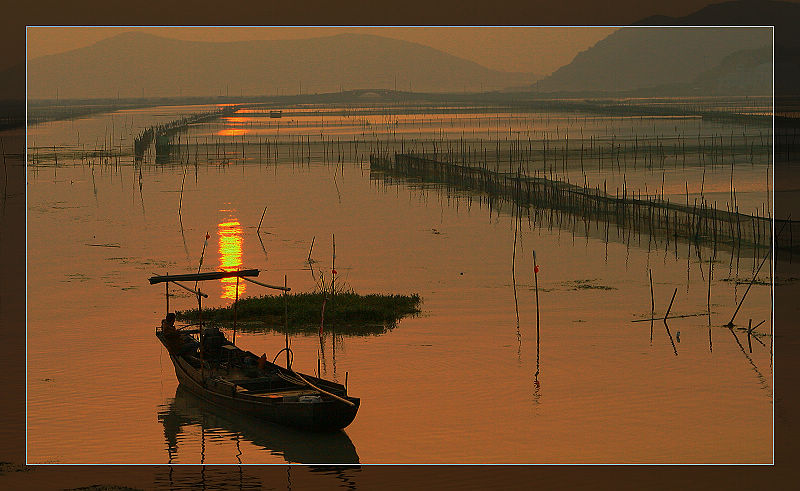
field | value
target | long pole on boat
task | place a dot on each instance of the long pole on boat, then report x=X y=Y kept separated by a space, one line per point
x=203 y=253
x=235 y=305
x=286 y=320
x=200 y=311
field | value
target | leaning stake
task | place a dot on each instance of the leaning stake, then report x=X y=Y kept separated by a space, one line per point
x=730 y=323
x=258 y=230
x=670 y=305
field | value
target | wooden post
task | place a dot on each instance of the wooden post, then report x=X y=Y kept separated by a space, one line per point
x=670 y=304
x=235 y=308
x=258 y=230
x=286 y=320
x=674 y=349
x=322 y=315
x=730 y=323
x=166 y=289
x=201 y=336
x=710 y=272
x=536 y=288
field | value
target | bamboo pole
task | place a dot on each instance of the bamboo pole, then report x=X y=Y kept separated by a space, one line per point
x=180 y=200
x=710 y=272
x=682 y=316
x=258 y=230
x=286 y=320
x=201 y=337
x=767 y=256
x=670 y=304
x=196 y=292
x=749 y=330
x=235 y=309
x=282 y=288
x=311 y=249
x=536 y=289
x=333 y=271
x=166 y=291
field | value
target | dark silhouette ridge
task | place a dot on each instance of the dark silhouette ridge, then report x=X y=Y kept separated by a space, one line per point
x=784 y=16
x=688 y=60
x=636 y=58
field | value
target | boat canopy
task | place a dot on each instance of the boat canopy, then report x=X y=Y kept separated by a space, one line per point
x=213 y=275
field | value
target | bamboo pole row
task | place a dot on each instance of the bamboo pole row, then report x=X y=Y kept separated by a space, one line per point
x=696 y=222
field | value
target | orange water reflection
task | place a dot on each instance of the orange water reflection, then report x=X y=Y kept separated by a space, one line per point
x=238 y=119
x=232 y=132
x=230 y=255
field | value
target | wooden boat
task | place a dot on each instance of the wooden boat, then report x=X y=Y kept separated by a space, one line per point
x=213 y=368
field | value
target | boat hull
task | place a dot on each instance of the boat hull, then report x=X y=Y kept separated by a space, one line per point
x=327 y=415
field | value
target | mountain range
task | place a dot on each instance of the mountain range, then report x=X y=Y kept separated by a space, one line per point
x=674 y=59
x=638 y=57
x=678 y=59
x=136 y=64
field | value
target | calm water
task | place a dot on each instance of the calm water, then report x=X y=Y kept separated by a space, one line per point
x=468 y=381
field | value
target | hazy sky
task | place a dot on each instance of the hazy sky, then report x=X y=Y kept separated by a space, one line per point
x=538 y=50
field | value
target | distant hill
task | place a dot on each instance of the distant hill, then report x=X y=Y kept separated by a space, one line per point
x=692 y=60
x=681 y=59
x=747 y=71
x=785 y=16
x=135 y=64
x=638 y=57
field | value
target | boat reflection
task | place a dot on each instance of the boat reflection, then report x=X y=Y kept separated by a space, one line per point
x=230 y=256
x=187 y=410
x=190 y=477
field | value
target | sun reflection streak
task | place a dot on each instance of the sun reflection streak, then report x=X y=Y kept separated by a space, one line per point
x=238 y=119
x=230 y=255
x=232 y=132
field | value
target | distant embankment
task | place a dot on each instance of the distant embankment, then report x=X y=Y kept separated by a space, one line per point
x=162 y=134
x=40 y=112
x=627 y=209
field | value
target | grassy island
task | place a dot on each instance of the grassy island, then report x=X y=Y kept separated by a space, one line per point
x=347 y=312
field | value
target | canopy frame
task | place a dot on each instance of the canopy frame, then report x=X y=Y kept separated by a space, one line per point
x=212 y=275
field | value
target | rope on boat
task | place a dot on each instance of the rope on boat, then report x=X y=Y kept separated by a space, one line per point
x=281 y=351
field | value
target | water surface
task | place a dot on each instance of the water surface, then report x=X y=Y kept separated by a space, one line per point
x=471 y=380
